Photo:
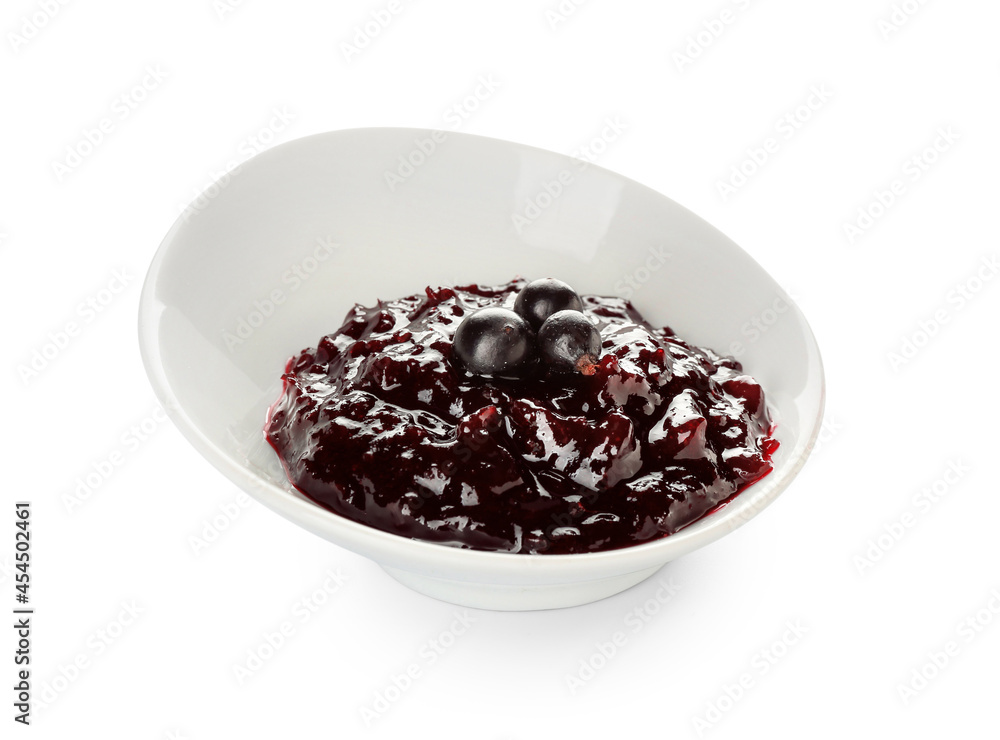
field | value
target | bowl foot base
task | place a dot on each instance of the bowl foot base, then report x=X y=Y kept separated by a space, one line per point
x=508 y=597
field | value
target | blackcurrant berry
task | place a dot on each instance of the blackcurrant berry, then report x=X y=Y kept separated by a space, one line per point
x=493 y=341
x=567 y=341
x=540 y=299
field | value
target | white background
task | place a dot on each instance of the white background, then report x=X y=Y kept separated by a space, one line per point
x=868 y=611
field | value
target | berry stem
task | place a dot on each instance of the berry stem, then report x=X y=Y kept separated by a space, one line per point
x=586 y=365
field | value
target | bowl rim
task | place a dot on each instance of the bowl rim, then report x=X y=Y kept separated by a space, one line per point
x=400 y=551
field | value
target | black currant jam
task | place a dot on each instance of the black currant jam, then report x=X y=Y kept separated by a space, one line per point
x=378 y=425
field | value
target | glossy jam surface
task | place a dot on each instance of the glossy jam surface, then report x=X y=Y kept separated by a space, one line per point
x=377 y=425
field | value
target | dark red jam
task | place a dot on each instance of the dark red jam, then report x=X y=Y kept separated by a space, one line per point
x=379 y=426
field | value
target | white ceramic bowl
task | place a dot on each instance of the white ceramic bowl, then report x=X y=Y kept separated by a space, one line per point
x=265 y=264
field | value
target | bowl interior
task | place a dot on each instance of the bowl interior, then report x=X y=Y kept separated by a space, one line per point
x=258 y=269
